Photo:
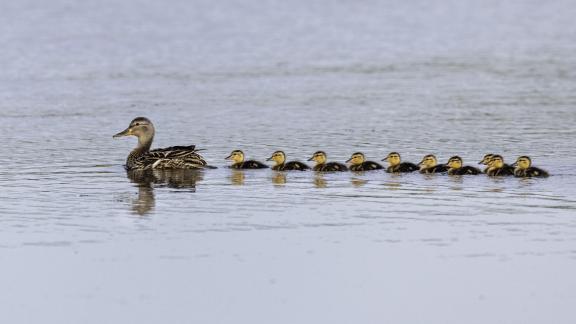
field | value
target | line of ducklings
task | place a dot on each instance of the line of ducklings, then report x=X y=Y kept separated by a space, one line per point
x=495 y=165
x=188 y=157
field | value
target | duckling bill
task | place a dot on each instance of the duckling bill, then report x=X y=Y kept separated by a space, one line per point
x=174 y=157
x=237 y=156
x=358 y=163
x=397 y=166
x=320 y=158
x=524 y=169
x=455 y=167
x=429 y=164
x=281 y=165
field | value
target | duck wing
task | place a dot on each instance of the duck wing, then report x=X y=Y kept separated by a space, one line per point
x=174 y=157
x=296 y=166
x=335 y=166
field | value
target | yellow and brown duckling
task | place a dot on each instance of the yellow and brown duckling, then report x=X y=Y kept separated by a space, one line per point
x=524 y=169
x=281 y=165
x=486 y=161
x=397 y=166
x=358 y=163
x=429 y=164
x=322 y=165
x=174 y=157
x=497 y=167
x=237 y=156
x=456 y=167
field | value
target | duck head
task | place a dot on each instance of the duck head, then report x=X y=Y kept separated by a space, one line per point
x=356 y=159
x=279 y=157
x=428 y=161
x=237 y=156
x=455 y=162
x=319 y=157
x=523 y=162
x=140 y=127
x=393 y=158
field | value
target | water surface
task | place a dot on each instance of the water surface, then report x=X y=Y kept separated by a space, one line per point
x=82 y=241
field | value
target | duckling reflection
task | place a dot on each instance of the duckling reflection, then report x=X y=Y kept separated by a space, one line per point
x=320 y=181
x=146 y=180
x=279 y=178
x=357 y=182
x=237 y=177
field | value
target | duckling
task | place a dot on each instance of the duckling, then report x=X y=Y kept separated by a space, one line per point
x=455 y=167
x=358 y=163
x=321 y=165
x=486 y=161
x=524 y=169
x=396 y=165
x=174 y=157
x=497 y=167
x=281 y=165
x=238 y=157
x=429 y=164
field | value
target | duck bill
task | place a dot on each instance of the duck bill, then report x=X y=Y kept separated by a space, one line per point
x=515 y=164
x=349 y=160
x=311 y=159
x=269 y=159
x=384 y=159
x=228 y=157
x=126 y=132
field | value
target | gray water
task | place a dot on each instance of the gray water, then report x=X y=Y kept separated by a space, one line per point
x=82 y=241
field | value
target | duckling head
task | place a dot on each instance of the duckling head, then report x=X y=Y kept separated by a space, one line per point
x=455 y=162
x=319 y=157
x=356 y=159
x=279 y=157
x=428 y=161
x=393 y=158
x=140 y=127
x=497 y=161
x=486 y=159
x=523 y=162
x=237 y=156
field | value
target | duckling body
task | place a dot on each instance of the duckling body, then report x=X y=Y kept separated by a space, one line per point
x=465 y=170
x=322 y=166
x=497 y=167
x=281 y=165
x=238 y=157
x=397 y=166
x=174 y=157
x=330 y=167
x=358 y=163
x=455 y=167
x=291 y=166
x=250 y=164
x=524 y=169
x=429 y=164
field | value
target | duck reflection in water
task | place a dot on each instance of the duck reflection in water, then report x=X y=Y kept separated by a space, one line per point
x=147 y=180
x=320 y=181
x=279 y=178
x=237 y=177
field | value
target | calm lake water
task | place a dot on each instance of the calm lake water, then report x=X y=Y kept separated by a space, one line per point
x=82 y=241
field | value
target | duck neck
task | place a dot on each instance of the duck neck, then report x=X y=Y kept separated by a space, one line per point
x=144 y=144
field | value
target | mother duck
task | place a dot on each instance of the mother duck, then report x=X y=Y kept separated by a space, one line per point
x=174 y=157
